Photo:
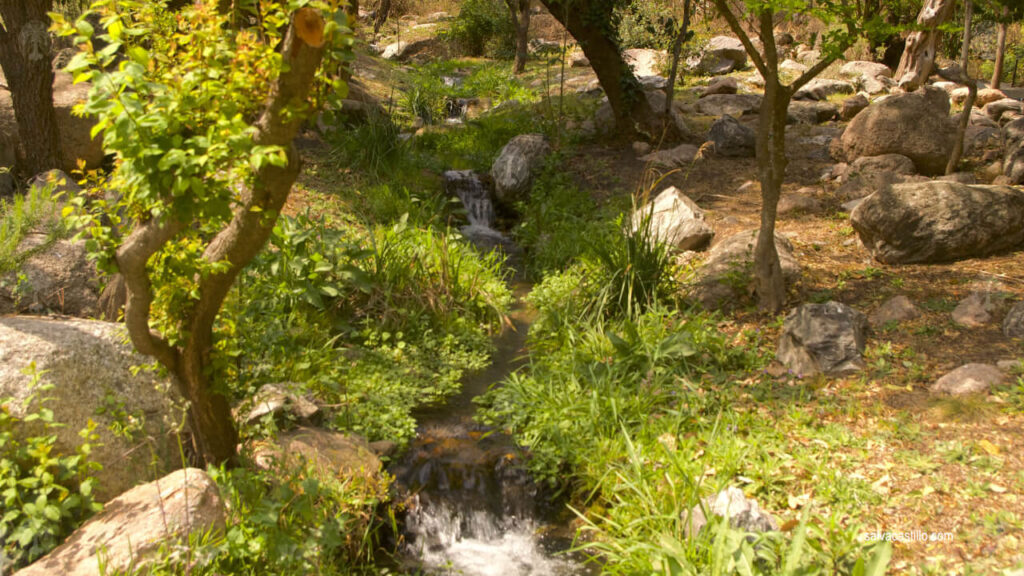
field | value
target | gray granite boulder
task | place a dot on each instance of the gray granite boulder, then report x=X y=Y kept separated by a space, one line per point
x=822 y=338
x=732 y=138
x=675 y=220
x=517 y=164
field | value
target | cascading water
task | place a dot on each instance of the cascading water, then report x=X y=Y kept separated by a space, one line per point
x=476 y=198
x=472 y=507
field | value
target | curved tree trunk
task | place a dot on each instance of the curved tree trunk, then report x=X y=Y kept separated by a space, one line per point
x=919 y=57
x=26 y=61
x=589 y=23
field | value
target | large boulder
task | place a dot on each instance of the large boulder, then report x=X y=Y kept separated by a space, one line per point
x=916 y=125
x=675 y=221
x=811 y=112
x=134 y=528
x=721 y=55
x=75 y=139
x=996 y=110
x=726 y=277
x=822 y=338
x=939 y=221
x=732 y=138
x=517 y=164
x=732 y=104
x=874 y=78
x=853 y=106
x=56 y=277
x=720 y=85
x=93 y=373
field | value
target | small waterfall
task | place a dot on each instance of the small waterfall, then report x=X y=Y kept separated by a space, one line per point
x=476 y=198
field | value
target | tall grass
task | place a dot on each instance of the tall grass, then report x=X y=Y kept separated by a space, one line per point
x=36 y=210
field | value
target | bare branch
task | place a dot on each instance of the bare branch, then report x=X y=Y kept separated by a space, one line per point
x=737 y=29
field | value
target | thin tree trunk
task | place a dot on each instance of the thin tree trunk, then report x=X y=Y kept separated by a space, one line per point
x=677 y=49
x=771 y=164
x=997 y=70
x=956 y=74
x=965 y=50
x=382 y=15
x=26 y=62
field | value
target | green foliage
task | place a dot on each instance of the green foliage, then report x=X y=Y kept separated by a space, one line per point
x=476 y=145
x=289 y=520
x=430 y=87
x=646 y=24
x=483 y=28
x=636 y=268
x=35 y=211
x=45 y=494
x=374 y=322
x=178 y=115
x=372 y=146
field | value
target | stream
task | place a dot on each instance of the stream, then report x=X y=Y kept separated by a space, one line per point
x=472 y=507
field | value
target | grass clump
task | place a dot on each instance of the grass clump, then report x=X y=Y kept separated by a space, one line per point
x=34 y=211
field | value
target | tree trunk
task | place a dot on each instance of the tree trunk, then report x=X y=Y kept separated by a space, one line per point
x=383 y=10
x=957 y=74
x=919 y=56
x=522 y=25
x=997 y=69
x=589 y=22
x=682 y=35
x=965 y=50
x=26 y=62
x=771 y=167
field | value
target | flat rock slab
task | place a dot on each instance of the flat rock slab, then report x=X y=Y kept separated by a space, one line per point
x=931 y=222
x=132 y=528
x=968 y=379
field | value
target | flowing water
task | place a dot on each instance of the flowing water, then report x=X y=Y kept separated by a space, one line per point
x=472 y=507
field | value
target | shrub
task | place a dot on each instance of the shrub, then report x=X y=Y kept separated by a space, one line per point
x=483 y=28
x=36 y=210
x=645 y=24
x=45 y=494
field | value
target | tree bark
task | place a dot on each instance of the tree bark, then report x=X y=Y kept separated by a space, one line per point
x=919 y=57
x=521 y=20
x=681 y=38
x=382 y=15
x=997 y=69
x=214 y=434
x=26 y=62
x=965 y=49
x=957 y=74
x=589 y=22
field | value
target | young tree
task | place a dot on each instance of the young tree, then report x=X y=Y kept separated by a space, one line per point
x=519 y=10
x=201 y=117
x=26 y=62
x=771 y=137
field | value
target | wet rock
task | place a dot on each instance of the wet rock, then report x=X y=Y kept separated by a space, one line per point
x=726 y=277
x=822 y=88
x=968 y=379
x=939 y=222
x=517 y=164
x=721 y=55
x=853 y=106
x=282 y=402
x=676 y=157
x=895 y=310
x=720 y=85
x=676 y=221
x=487 y=239
x=468 y=187
x=329 y=453
x=732 y=138
x=743 y=513
x=91 y=366
x=135 y=527
x=916 y=125
x=1013 y=323
x=822 y=338
x=731 y=104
